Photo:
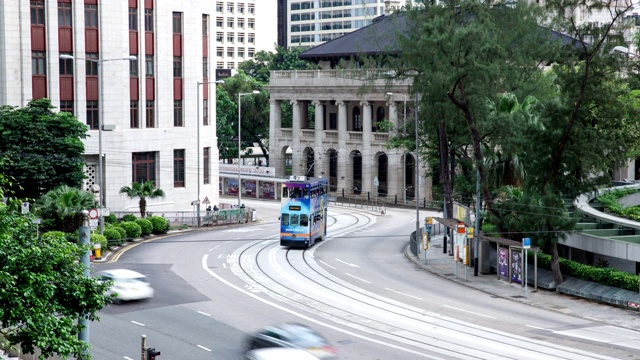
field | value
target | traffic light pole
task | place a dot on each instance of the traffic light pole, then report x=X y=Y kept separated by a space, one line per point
x=143 y=350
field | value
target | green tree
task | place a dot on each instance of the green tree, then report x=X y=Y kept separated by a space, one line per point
x=143 y=191
x=61 y=208
x=282 y=59
x=226 y=114
x=44 y=148
x=43 y=290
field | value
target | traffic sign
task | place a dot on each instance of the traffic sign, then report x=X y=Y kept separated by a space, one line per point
x=206 y=200
x=93 y=214
x=25 y=208
x=526 y=243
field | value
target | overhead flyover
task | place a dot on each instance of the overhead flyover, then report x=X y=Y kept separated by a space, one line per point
x=605 y=234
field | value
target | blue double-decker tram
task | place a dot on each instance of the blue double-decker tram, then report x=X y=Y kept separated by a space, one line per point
x=303 y=213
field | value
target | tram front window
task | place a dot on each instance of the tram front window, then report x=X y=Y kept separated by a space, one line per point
x=304 y=220
x=285 y=219
x=294 y=219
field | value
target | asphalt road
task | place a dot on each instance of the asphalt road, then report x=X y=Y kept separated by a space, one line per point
x=356 y=287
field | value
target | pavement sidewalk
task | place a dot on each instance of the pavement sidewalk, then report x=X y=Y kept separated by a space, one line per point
x=442 y=264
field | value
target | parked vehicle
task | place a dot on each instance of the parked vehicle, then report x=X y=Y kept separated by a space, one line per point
x=295 y=336
x=127 y=284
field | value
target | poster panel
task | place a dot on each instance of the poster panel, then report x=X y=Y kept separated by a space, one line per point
x=503 y=264
x=232 y=186
x=268 y=190
x=516 y=266
x=220 y=186
x=250 y=188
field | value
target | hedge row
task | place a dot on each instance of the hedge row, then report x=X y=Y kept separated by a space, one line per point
x=601 y=275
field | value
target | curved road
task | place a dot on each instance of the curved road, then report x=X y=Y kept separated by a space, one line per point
x=355 y=287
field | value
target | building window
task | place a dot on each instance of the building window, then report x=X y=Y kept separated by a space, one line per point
x=148 y=19
x=230 y=52
x=220 y=65
x=230 y=65
x=66 y=106
x=205 y=67
x=240 y=8
x=219 y=52
x=230 y=38
x=66 y=66
x=205 y=112
x=251 y=39
x=241 y=38
x=177 y=23
x=178 y=168
x=219 y=22
x=92 y=115
x=143 y=167
x=150 y=114
x=240 y=23
x=206 y=165
x=134 y=115
x=219 y=7
x=252 y=23
x=333 y=121
x=230 y=8
x=64 y=15
x=177 y=113
x=148 y=65
x=241 y=52
x=133 y=19
x=37 y=12
x=39 y=63
x=133 y=68
x=251 y=53
x=219 y=37
x=251 y=9
x=230 y=23
x=91 y=16
x=91 y=64
x=177 y=66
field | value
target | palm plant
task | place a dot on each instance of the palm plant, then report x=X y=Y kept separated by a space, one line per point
x=143 y=191
x=62 y=207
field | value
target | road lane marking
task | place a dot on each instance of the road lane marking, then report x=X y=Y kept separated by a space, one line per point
x=127 y=358
x=137 y=323
x=327 y=264
x=401 y=293
x=355 y=277
x=307 y=318
x=204 y=313
x=537 y=328
x=349 y=264
x=467 y=311
x=203 y=348
x=215 y=247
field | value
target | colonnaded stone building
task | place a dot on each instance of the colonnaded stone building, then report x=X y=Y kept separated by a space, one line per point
x=347 y=139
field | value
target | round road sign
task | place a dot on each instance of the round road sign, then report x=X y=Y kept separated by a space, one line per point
x=93 y=213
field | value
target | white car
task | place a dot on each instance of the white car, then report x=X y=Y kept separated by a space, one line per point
x=279 y=354
x=127 y=284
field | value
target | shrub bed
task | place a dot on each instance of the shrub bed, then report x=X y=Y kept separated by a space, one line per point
x=160 y=224
x=129 y=217
x=113 y=236
x=145 y=226
x=132 y=228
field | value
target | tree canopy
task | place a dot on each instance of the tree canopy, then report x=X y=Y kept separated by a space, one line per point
x=43 y=289
x=44 y=148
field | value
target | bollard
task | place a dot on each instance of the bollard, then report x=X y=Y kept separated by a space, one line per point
x=97 y=249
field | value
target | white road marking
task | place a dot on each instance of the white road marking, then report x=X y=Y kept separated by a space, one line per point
x=355 y=277
x=137 y=323
x=401 y=293
x=538 y=328
x=470 y=312
x=203 y=313
x=213 y=248
x=127 y=358
x=203 y=348
x=243 y=230
x=327 y=264
x=344 y=262
x=307 y=318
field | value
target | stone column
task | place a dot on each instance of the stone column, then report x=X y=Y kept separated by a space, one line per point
x=318 y=147
x=367 y=156
x=343 y=152
x=296 y=152
x=394 y=175
x=393 y=116
x=276 y=159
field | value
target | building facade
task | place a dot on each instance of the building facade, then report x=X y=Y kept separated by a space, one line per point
x=242 y=28
x=137 y=67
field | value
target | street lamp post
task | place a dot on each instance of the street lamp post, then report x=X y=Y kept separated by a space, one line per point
x=404 y=122
x=100 y=127
x=240 y=95
x=198 y=141
x=417 y=186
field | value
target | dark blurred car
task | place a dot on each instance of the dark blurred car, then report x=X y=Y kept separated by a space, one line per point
x=292 y=335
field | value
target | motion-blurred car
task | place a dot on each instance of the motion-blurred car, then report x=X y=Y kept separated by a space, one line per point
x=127 y=284
x=279 y=354
x=292 y=335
